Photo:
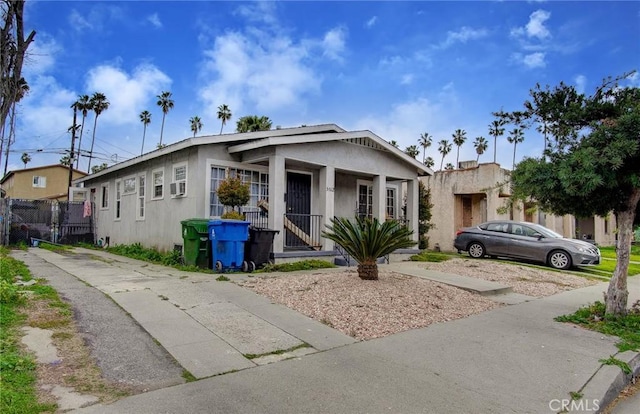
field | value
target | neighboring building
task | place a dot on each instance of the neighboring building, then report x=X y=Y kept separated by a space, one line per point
x=476 y=193
x=50 y=182
x=299 y=179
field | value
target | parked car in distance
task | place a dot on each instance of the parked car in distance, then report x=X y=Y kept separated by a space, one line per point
x=527 y=241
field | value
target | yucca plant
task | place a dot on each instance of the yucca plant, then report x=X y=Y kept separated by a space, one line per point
x=366 y=239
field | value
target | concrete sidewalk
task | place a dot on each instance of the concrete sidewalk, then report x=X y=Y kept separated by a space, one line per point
x=511 y=359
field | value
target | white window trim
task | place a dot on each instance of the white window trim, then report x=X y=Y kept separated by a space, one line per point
x=141 y=217
x=102 y=203
x=42 y=181
x=369 y=183
x=153 y=184
x=174 y=167
x=117 y=211
x=128 y=180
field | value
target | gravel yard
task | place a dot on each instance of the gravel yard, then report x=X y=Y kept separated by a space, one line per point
x=370 y=309
x=523 y=279
x=395 y=303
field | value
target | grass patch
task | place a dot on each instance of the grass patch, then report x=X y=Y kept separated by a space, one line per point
x=615 y=361
x=188 y=377
x=278 y=352
x=610 y=252
x=222 y=278
x=427 y=256
x=296 y=266
x=627 y=327
x=56 y=248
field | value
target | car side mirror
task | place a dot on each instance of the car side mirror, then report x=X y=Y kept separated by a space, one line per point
x=538 y=235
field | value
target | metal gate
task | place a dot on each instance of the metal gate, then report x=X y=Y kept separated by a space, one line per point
x=65 y=222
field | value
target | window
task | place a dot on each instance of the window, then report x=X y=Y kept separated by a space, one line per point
x=105 y=196
x=179 y=184
x=365 y=201
x=39 y=181
x=141 y=196
x=499 y=227
x=258 y=188
x=129 y=185
x=391 y=203
x=158 y=184
x=118 y=198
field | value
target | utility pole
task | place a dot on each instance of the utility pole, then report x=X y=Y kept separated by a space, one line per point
x=73 y=142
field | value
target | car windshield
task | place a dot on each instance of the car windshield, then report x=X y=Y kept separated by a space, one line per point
x=546 y=232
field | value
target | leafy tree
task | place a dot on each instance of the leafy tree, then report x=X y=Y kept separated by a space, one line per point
x=65 y=160
x=496 y=130
x=233 y=192
x=429 y=162
x=425 y=142
x=25 y=159
x=83 y=105
x=516 y=136
x=224 y=114
x=367 y=239
x=592 y=163
x=21 y=91
x=480 y=144
x=424 y=215
x=12 y=53
x=99 y=104
x=145 y=118
x=97 y=168
x=253 y=123
x=412 y=151
x=459 y=137
x=166 y=104
x=196 y=125
x=444 y=148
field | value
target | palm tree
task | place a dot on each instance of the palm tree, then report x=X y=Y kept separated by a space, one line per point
x=449 y=167
x=481 y=146
x=394 y=143
x=99 y=104
x=544 y=128
x=253 y=123
x=25 y=159
x=83 y=105
x=496 y=130
x=224 y=114
x=459 y=137
x=412 y=151
x=425 y=142
x=515 y=137
x=145 y=118
x=429 y=162
x=166 y=104
x=65 y=160
x=444 y=147
x=366 y=240
x=196 y=125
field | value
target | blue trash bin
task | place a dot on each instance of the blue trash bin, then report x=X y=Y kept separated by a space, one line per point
x=227 y=244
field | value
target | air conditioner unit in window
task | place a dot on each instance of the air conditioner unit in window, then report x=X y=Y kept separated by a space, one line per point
x=178 y=189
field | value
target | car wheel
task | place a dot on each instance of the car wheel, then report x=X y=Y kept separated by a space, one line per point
x=476 y=250
x=559 y=259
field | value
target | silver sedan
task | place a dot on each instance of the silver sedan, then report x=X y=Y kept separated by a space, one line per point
x=528 y=241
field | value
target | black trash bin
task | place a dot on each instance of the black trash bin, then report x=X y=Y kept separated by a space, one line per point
x=259 y=246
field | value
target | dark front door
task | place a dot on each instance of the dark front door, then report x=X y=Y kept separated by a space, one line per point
x=298 y=207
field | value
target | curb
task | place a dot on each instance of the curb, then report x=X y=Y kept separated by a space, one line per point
x=608 y=381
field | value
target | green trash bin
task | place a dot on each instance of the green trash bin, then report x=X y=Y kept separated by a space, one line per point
x=196 y=247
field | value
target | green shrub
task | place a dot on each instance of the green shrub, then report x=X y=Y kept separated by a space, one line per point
x=232 y=215
x=9 y=293
x=427 y=256
x=296 y=266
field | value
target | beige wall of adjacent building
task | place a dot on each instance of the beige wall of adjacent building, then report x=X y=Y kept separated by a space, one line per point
x=47 y=182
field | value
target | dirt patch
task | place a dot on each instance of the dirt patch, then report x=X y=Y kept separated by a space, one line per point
x=370 y=309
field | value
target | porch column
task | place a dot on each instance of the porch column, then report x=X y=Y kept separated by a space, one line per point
x=412 y=207
x=277 y=188
x=327 y=201
x=379 y=197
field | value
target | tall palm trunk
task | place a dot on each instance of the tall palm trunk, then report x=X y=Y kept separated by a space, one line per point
x=515 y=145
x=495 y=140
x=221 y=126
x=162 y=128
x=80 y=142
x=144 y=133
x=93 y=138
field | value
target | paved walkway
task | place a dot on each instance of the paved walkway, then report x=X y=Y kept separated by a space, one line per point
x=511 y=359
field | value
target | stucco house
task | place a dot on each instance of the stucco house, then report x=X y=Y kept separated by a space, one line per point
x=473 y=194
x=50 y=182
x=299 y=179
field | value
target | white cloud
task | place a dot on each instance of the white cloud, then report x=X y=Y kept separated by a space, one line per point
x=407 y=79
x=531 y=61
x=41 y=56
x=535 y=27
x=372 y=21
x=269 y=73
x=128 y=94
x=154 y=19
x=334 y=43
x=259 y=12
x=463 y=35
x=79 y=22
x=97 y=19
x=634 y=78
x=581 y=82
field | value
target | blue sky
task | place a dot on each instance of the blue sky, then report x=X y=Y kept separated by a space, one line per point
x=398 y=69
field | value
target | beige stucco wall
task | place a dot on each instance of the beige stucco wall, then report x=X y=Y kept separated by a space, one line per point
x=20 y=183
